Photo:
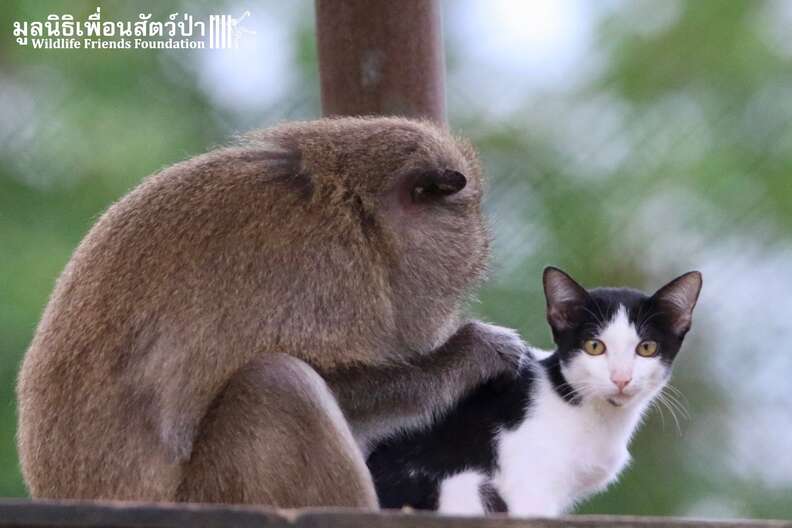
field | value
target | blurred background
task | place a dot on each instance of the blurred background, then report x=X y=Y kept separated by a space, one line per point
x=625 y=141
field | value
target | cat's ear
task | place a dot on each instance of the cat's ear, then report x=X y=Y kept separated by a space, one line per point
x=565 y=299
x=677 y=300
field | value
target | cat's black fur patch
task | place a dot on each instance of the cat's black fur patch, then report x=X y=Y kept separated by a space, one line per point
x=552 y=366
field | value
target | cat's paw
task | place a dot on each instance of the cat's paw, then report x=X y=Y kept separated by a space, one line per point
x=461 y=495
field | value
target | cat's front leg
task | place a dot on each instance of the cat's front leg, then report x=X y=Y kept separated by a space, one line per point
x=540 y=495
x=537 y=504
x=461 y=494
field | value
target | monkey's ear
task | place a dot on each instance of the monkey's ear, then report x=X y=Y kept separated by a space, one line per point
x=434 y=184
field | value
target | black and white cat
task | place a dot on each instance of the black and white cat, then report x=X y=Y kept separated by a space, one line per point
x=557 y=430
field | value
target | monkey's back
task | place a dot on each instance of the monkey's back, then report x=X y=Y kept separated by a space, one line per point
x=193 y=263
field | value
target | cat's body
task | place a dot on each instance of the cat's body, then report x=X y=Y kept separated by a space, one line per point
x=515 y=444
x=556 y=430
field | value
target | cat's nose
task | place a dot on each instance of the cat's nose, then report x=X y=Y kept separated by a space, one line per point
x=621 y=381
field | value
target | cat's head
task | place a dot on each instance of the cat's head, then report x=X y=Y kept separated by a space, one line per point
x=618 y=344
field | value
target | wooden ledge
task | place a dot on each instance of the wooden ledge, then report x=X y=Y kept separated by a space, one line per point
x=26 y=513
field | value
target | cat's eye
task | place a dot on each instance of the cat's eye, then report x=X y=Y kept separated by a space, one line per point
x=594 y=347
x=647 y=348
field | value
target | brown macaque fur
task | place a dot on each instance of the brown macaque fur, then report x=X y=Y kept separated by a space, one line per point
x=177 y=358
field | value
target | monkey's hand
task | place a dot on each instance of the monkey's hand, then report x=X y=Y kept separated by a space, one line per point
x=489 y=339
x=380 y=400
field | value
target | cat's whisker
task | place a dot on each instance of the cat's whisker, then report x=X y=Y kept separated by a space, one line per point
x=662 y=398
x=590 y=389
x=679 y=393
x=677 y=400
x=578 y=391
x=599 y=309
x=597 y=318
x=646 y=320
x=639 y=317
x=678 y=405
x=585 y=388
x=659 y=408
x=656 y=405
x=672 y=388
x=662 y=403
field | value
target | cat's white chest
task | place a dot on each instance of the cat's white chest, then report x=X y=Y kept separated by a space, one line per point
x=598 y=468
x=560 y=455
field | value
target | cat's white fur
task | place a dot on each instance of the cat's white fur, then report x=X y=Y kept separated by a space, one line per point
x=460 y=494
x=563 y=453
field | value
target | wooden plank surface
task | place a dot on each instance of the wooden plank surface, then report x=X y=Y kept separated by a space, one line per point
x=19 y=513
x=22 y=513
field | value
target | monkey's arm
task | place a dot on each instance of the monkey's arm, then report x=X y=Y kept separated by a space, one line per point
x=377 y=401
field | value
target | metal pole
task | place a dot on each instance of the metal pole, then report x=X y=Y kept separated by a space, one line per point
x=381 y=57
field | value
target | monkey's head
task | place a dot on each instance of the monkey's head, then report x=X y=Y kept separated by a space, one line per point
x=413 y=194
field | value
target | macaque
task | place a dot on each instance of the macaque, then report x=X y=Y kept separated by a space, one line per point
x=244 y=324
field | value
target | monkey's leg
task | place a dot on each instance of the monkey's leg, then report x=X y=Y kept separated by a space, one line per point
x=276 y=436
